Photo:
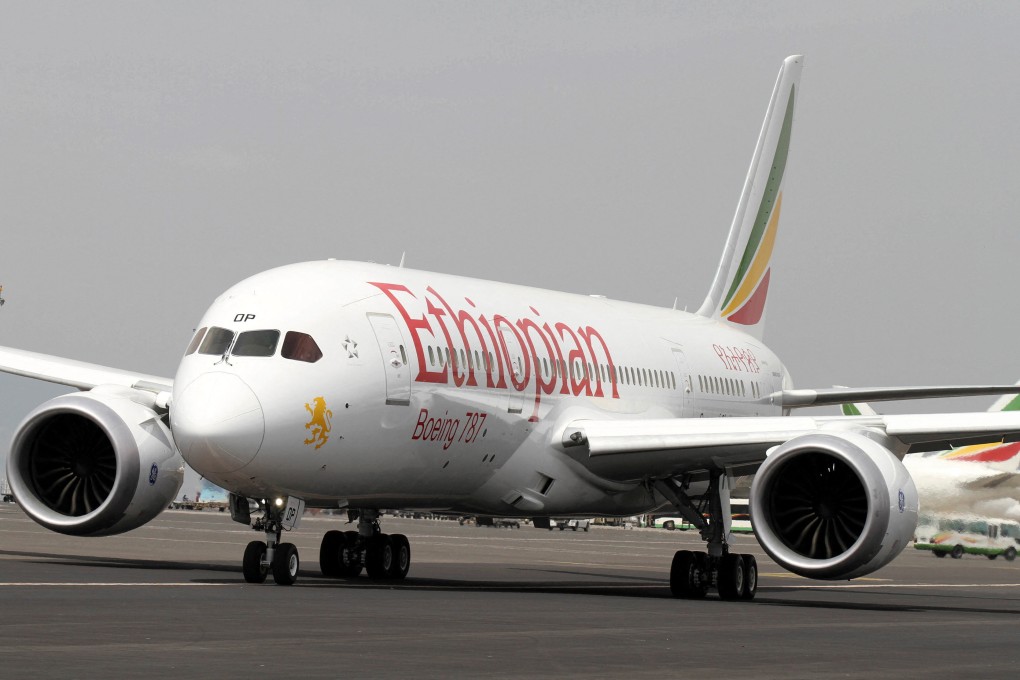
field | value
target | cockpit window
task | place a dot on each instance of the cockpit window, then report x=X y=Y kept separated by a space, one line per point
x=193 y=347
x=300 y=347
x=256 y=344
x=217 y=340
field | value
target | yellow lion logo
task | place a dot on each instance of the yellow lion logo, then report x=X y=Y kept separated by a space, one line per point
x=319 y=423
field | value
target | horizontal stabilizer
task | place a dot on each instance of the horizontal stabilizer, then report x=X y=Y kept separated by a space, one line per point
x=840 y=395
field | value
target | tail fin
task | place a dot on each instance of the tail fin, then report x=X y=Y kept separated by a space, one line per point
x=741 y=283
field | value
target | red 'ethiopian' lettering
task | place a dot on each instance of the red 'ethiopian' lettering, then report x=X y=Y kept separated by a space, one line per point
x=514 y=353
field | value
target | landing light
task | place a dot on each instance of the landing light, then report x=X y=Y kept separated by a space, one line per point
x=278 y=502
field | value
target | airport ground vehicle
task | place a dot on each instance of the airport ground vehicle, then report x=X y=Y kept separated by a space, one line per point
x=572 y=524
x=740 y=522
x=959 y=536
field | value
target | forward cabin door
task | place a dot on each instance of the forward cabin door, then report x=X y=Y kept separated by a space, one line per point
x=394 y=356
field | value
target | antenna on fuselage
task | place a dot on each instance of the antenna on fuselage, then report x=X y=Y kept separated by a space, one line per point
x=402 y=256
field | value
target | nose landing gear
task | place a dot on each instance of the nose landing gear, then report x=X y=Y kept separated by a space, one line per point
x=270 y=556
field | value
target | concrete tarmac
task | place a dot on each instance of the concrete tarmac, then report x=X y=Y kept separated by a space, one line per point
x=168 y=601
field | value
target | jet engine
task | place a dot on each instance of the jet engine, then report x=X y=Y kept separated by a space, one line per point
x=94 y=463
x=833 y=505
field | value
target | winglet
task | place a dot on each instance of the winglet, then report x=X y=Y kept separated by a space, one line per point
x=741 y=283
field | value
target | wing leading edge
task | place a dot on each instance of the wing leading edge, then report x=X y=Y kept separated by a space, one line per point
x=77 y=374
x=627 y=450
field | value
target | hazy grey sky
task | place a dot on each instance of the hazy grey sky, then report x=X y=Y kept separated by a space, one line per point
x=155 y=153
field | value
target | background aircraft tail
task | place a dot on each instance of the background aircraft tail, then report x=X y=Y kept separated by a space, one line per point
x=741 y=284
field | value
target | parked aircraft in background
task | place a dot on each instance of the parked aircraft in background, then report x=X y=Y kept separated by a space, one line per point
x=981 y=480
x=360 y=386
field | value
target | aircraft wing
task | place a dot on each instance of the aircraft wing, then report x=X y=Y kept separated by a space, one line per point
x=628 y=450
x=78 y=374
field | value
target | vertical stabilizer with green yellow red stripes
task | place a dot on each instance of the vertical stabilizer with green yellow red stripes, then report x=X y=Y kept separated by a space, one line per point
x=741 y=285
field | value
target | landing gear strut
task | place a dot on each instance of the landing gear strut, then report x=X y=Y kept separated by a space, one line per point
x=343 y=554
x=693 y=573
x=270 y=556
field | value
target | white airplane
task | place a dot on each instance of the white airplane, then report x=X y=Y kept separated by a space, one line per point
x=367 y=387
x=980 y=480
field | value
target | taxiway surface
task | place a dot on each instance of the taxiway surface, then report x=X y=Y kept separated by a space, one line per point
x=168 y=601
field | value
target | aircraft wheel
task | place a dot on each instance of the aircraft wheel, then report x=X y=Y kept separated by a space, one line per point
x=252 y=567
x=379 y=556
x=750 y=578
x=350 y=558
x=957 y=552
x=731 y=577
x=1010 y=554
x=685 y=575
x=401 y=557
x=285 y=564
x=938 y=553
x=330 y=558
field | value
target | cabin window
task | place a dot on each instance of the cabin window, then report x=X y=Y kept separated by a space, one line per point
x=300 y=347
x=195 y=341
x=403 y=355
x=256 y=344
x=432 y=357
x=217 y=341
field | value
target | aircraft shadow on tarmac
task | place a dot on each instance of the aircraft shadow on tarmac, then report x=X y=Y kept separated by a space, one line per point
x=636 y=586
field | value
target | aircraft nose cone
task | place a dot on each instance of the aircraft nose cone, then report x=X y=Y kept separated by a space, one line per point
x=217 y=423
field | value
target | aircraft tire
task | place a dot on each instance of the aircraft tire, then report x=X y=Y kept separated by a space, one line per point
x=379 y=556
x=252 y=568
x=350 y=558
x=685 y=575
x=731 y=577
x=957 y=552
x=401 y=557
x=285 y=564
x=750 y=588
x=330 y=553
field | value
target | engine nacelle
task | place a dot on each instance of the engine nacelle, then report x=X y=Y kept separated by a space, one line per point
x=833 y=505
x=94 y=463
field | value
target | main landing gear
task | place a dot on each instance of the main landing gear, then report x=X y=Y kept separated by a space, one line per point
x=694 y=573
x=344 y=554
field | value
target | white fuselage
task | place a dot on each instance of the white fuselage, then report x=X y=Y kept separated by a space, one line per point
x=445 y=392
